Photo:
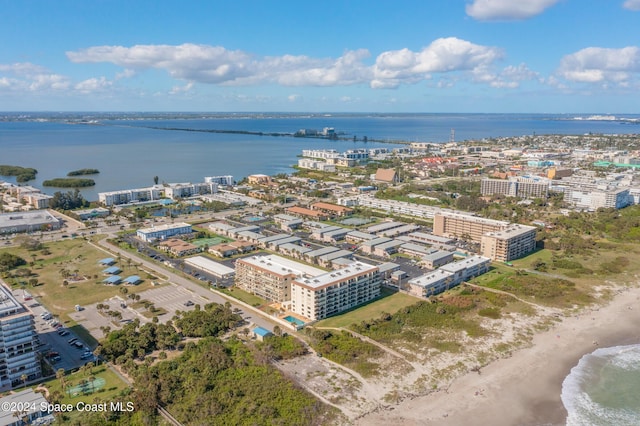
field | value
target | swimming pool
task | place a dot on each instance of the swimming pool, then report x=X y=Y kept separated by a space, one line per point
x=294 y=320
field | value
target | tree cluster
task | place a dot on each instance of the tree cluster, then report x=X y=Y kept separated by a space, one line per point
x=68 y=200
x=221 y=383
x=22 y=174
x=9 y=261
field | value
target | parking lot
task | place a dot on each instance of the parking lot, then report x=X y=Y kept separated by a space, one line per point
x=55 y=344
x=170 y=298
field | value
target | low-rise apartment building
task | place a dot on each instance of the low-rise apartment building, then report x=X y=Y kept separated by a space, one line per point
x=163 y=232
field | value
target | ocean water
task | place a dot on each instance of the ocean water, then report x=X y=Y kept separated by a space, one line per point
x=604 y=388
x=130 y=149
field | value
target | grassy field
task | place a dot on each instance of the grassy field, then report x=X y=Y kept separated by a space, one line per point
x=391 y=302
x=76 y=262
x=244 y=296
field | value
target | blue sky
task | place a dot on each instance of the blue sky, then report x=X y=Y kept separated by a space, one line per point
x=556 y=56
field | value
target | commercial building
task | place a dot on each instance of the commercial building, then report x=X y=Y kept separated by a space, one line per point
x=207 y=265
x=163 y=232
x=270 y=276
x=330 y=293
x=33 y=221
x=465 y=226
x=510 y=243
x=18 y=357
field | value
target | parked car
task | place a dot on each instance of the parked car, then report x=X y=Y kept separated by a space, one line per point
x=78 y=344
x=72 y=341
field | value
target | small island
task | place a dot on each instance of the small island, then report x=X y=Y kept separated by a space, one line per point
x=69 y=183
x=82 y=172
x=22 y=174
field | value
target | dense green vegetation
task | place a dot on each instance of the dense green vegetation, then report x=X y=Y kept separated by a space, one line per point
x=281 y=347
x=222 y=383
x=69 y=182
x=10 y=261
x=68 y=200
x=345 y=349
x=547 y=290
x=22 y=174
x=214 y=320
x=409 y=323
x=83 y=172
x=210 y=382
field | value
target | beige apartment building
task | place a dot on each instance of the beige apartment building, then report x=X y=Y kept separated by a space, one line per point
x=510 y=243
x=332 y=292
x=270 y=277
x=457 y=225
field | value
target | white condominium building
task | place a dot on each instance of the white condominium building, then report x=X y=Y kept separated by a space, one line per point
x=126 y=196
x=516 y=187
x=226 y=180
x=270 y=277
x=333 y=292
x=185 y=190
x=17 y=347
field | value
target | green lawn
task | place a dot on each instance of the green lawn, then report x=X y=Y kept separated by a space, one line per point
x=244 y=296
x=390 y=302
x=75 y=256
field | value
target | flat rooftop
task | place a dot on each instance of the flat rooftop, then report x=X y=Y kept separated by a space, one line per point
x=343 y=274
x=511 y=231
x=209 y=265
x=281 y=265
x=35 y=217
x=8 y=304
x=164 y=227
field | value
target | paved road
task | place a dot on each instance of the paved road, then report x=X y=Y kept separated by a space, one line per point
x=251 y=314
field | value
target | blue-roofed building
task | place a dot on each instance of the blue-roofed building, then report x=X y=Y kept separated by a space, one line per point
x=132 y=280
x=112 y=270
x=261 y=333
x=113 y=280
x=108 y=261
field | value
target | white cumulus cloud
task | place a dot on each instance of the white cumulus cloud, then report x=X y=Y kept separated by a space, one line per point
x=443 y=55
x=632 y=5
x=598 y=64
x=218 y=65
x=507 y=10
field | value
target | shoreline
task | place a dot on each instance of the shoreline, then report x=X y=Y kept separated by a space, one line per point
x=525 y=388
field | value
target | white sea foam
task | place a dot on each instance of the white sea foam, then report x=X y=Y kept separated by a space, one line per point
x=588 y=376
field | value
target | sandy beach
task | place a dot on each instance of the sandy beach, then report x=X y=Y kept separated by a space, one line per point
x=525 y=388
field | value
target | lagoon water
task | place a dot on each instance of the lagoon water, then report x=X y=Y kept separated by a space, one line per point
x=604 y=388
x=130 y=149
